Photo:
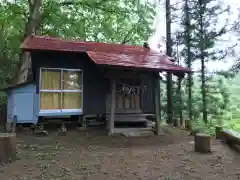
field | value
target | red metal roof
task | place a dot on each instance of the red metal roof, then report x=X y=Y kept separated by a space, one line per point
x=106 y=54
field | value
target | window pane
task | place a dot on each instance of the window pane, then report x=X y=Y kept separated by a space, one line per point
x=51 y=79
x=72 y=80
x=72 y=100
x=50 y=100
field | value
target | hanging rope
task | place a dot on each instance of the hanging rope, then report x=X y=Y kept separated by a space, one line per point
x=128 y=89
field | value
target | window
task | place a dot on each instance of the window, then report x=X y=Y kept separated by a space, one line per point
x=60 y=90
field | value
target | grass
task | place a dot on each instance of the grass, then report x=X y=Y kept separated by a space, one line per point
x=209 y=128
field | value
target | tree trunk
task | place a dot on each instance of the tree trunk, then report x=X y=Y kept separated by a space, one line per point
x=169 y=53
x=188 y=125
x=189 y=58
x=203 y=87
x=30 y=28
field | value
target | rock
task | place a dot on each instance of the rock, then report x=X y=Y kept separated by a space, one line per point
x=81 y=129
x=38 y=132
x=63 y=130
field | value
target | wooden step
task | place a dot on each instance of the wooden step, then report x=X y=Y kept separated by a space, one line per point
x=129 y=118
x=128 y=130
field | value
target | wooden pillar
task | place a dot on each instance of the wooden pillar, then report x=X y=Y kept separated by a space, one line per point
x=169 y=98
x=112 y=110
x=180 y=101
x=157 y=105
x=7 y=147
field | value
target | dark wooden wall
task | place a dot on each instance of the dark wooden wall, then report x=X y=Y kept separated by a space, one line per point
x=95 y=85
x=93 y=79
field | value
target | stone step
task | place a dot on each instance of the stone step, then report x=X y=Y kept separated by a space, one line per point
x=145 y=133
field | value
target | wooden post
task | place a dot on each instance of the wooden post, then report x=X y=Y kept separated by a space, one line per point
x=7 y=147
x=218 y=132
x=176 y=122
x=112 y=111
x=157 y=105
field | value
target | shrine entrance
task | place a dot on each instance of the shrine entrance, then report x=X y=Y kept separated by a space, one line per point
x=128 y=96
x=124 y=101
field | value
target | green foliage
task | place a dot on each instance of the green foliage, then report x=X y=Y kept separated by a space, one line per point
x=118 y=21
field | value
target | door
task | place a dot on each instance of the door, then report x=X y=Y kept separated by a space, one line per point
x=127 y=102
x=128 y=95
x=23 y=107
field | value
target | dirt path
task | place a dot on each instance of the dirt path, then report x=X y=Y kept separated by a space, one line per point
x=94 y=156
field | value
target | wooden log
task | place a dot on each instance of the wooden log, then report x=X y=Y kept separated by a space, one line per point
x=188 y=125
x=203 y=143
x=218 y=132
x=7 y=147
x=230 y=136
x=235 y=147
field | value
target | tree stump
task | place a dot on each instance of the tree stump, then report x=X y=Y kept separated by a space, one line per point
x=188 y=125
x=203 y=143
x=176 y=122
x=218 y=132
x=7 y=147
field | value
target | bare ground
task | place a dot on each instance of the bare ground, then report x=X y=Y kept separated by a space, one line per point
x=95 y=156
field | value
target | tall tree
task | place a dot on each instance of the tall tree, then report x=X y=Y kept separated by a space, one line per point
x=187 y=43
x=31 y=25
x=108 y=21
x=112 y=21
x=205 y=36
x=169 y=53
x=202 y=7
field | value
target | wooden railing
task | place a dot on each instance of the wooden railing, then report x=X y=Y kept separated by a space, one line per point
x=230 y=137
